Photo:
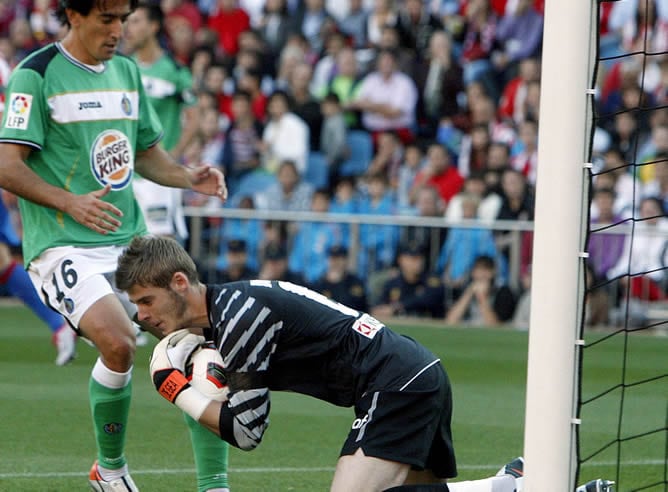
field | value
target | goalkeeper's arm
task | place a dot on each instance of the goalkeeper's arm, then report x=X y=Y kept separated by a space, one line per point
x=241 y=420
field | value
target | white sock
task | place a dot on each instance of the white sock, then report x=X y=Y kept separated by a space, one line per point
x=504 y=483
x=108 y=378
x=110 y=475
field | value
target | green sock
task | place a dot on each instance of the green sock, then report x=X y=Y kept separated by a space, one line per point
x=110 y=408
x=210 y=453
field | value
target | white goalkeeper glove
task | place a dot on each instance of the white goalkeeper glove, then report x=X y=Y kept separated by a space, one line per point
x=167 y=367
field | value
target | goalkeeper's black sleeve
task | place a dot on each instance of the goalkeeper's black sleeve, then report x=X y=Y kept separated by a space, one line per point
x=244 y=418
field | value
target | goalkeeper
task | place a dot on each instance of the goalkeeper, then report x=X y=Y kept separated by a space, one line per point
x=281 y=336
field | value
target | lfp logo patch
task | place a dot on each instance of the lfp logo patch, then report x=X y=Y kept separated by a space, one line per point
x=112 y=159
x=18 y=111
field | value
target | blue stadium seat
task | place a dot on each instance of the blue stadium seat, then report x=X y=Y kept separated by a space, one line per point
x=317 y=172
x=251 y=184
x=360 y=146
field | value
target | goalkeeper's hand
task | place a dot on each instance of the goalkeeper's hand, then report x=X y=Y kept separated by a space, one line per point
x=167 y=368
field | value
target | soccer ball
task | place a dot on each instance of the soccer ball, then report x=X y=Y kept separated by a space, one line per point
x=204 y=370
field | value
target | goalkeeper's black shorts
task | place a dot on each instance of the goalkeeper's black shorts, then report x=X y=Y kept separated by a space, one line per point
x=410 y=426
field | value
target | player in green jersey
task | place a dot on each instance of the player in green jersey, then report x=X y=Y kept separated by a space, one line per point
x=76 y=127
x=168 y=85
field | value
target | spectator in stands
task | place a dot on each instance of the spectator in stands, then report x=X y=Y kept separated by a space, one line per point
x=286 y=136
x=525 y=159
x=354 y=24
x=275 y=265
x=235 y=266
x=517 y=197
x=228 y=20
x=383 y=13
x=412 y=291
x=498 y=160
x=439 y=82
x=642 y=265
x=210 y=129
x=275 y=24
x=241 y=146
x=658 y=186
x=251 y=82
x=344 y=201
x=604 y=249
x=308 y=253
x=388 y=157
x=417 y=25
x=339 y=283
x=483 y=302
x=461 y=248
x=250 y=231
x=387 y=99
x=428 y=204
x=411 y=165
x=616 y=175
x=177 y=10
x=288 y=193
x=477 y=40
x=377 y=241
x=309 y=21
x=215 y=80
x=304 y=104
x=519 y=35
x=512 y=103
x=326 y=68
x=626 y=135
x=439 y=171
x=333 y=136
x=345 y=84
x=489 y=205
x=473 y=153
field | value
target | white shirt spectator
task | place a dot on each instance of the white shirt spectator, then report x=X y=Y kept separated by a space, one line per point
x=288 y=139
x=398 y=91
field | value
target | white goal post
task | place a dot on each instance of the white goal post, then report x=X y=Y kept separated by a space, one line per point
x=569 y=47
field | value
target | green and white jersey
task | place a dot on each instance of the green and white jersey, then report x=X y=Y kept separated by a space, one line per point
x=84 y=127
x=168 y=85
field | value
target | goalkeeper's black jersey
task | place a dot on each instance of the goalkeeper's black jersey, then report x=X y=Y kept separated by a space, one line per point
x=304 y=342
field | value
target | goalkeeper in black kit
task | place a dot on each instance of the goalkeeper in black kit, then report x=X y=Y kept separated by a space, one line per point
x=280 y=336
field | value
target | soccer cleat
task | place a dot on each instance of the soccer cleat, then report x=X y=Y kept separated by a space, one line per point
x=597 y=485
x=515 y=468
x=123 y=484
x=65 y=340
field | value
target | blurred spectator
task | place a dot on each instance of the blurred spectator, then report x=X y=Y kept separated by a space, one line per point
x=519 y=35
x=489 y=205
x=377 y=241
x=250 y=231
x=473 y=153
x=295 y=51
x=202 y=57
x=642 y=24
x=288 y=193
x=641 y=267
x=515 y=93
x=354 y=24
x=181 y=33
x=345 y=84
x=251 y=82
x=21 y=38
x=483 y=302
x=439 y=82
x=344 y=201
x=275 y=265
x=308 y=254
x=417 y=25
x=478 y=42
x=241 y=146
x=215 y=81
x=616 y=174
x=498 y=160
x=236 y=264
x=626 y=135
x=228 y=20
x=340 y=284
x=387 y=99
x=604 y=249
x=525 y=159
x=517 y=197
x=461 y=248
x=429 y=239
x=326 y=67
x=658 y=186
x=304 y=104
x=388 y=157
x=286 y=136
x=310 y=20
x=383 y=14
x=333 y=136
x=439 y=171
x=411 y=165
x=522 y=315
x=177 y=10
x=274 y=25
x=210 y=129
x=412 y=291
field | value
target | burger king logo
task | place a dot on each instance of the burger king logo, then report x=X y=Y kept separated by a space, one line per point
x=111 y=159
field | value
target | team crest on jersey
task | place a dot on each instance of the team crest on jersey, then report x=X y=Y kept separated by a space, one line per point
x=112 y=159
x=367 y=325
x=126 y=105
x=18 y=111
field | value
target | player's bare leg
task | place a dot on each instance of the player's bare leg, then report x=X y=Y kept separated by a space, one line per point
x=358 y=472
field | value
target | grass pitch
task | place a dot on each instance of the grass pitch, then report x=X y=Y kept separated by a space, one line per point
x=47 y=442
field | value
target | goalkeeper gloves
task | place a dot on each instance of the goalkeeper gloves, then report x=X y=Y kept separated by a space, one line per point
x=167 y=368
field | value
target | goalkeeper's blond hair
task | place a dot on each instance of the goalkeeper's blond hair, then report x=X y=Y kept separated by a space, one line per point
x=153 y=261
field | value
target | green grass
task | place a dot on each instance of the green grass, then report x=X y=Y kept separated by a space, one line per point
x=47 y=442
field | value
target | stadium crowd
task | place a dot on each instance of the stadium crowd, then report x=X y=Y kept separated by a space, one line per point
x=426 y=108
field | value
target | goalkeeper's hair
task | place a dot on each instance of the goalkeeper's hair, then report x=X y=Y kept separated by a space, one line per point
x=83 y=7
x=152 y=261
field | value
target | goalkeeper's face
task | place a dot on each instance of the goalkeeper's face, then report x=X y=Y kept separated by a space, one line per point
x=163 y=308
